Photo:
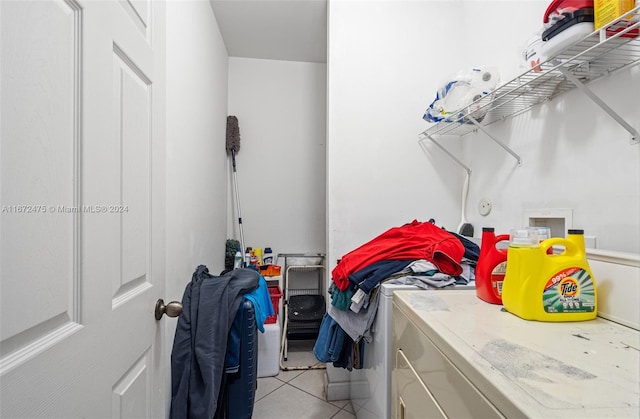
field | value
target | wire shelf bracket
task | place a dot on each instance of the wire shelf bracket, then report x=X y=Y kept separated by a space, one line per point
x=635 y=137
x=447 y=152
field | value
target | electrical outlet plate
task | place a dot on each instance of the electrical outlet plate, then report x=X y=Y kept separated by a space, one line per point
x=484 y=207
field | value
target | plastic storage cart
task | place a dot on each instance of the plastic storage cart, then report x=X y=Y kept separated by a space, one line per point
x=303 y=300
x=269 y=341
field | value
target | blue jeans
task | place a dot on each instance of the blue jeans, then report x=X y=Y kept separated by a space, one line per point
x=330 y=340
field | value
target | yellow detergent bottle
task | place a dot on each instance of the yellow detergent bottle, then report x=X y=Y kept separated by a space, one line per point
x=548 y=287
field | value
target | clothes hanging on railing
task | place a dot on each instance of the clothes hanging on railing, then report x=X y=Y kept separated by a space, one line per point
x=262 y=308
x=210 y=304
x=262 y=304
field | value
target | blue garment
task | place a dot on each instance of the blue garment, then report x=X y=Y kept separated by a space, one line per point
x=262 y=304
x=371 y=275
x=238 y=391
x=330 y=340
x=262 y=307
x=471 y=250
x=232 y=360
x=345 y=356
x=341 y=299
x=210 y=304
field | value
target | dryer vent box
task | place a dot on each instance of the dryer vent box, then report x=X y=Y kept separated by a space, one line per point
x=559 y=220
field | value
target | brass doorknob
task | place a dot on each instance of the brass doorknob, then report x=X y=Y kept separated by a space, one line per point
x=173 y=309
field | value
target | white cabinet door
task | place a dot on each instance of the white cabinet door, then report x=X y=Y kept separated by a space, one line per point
x=412 y=399
x=449 y=389
x=82 y=223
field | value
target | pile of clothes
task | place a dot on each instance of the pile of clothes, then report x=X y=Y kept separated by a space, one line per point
x=417 y=253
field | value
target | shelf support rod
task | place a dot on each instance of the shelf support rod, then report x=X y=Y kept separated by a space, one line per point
x=500 y=143
x=635 y=136
x=454 y=158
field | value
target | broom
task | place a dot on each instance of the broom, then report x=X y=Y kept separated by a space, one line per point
x=233 y=146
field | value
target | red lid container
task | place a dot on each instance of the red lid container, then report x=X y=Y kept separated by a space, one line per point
x=491 y=267
x=559 y=6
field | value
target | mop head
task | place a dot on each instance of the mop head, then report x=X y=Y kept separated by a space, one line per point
x=233 y=134
x=231 y=247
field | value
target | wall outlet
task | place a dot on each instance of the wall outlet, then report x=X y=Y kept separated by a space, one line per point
x=484 y=207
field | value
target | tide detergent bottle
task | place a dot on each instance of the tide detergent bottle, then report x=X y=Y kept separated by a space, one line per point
x=491 y=267
x=549 y=287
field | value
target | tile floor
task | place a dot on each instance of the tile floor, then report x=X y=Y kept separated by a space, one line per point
x=298 y=394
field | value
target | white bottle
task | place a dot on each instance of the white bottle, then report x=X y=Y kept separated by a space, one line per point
x=237 y=261
x=267 y=256
x=247 y=256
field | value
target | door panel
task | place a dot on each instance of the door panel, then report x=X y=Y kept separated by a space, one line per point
x=131 y=394
x=138 y=11
x=82 y=195
x=39 y=175
x=132 y=113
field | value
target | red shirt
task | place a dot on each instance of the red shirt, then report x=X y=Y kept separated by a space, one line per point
x=411 y=241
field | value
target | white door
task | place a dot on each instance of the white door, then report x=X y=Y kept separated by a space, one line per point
x=82 y=222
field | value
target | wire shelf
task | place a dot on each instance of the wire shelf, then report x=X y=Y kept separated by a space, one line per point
x=595 y=56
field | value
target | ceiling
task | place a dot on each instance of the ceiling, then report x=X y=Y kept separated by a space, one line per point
x=289 y=30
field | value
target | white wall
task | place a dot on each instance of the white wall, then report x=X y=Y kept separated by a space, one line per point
x=196 y=159
x=385 y=62
x=573 y=156
x=280 y=107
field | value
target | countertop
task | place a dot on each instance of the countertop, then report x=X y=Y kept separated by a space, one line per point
x=537 y=369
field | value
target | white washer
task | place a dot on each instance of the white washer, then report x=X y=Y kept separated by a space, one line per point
x=370 y=387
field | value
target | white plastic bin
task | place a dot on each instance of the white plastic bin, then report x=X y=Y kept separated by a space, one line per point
x=269 y=350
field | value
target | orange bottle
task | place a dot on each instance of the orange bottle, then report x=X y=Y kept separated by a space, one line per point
x=491 y=267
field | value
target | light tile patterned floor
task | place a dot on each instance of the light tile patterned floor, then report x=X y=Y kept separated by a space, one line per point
x=298 y=394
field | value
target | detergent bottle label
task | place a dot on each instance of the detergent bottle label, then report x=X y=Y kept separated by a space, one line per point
x=497 y=277
x=569 y=291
